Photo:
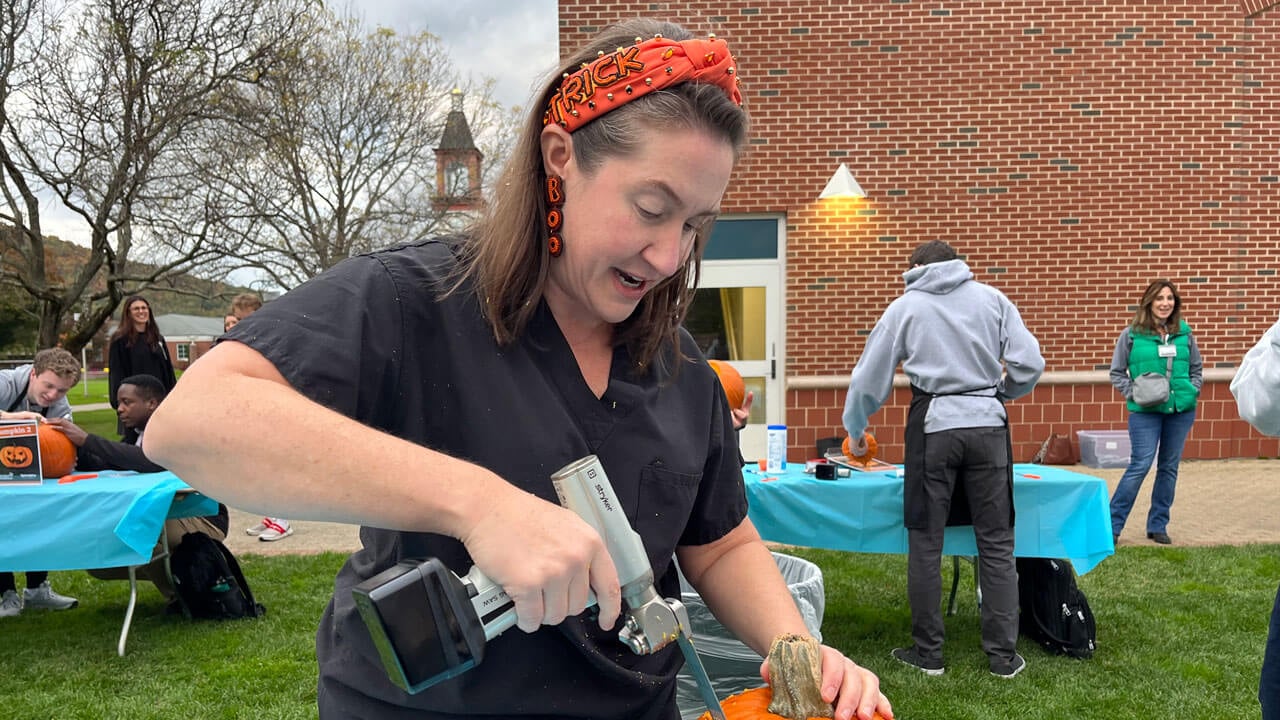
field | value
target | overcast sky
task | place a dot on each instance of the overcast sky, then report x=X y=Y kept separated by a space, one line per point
x=512 y=41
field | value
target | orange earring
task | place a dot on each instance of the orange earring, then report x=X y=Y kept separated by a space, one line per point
x=555 y=218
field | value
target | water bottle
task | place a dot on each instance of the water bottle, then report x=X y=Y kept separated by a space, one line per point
x=777 y=453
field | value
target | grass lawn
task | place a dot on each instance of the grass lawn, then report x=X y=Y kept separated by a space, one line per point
x=98 y=392
x=1180 y=634
x=97 y=422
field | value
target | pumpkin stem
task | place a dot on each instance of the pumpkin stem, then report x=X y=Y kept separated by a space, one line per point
x=795 y=672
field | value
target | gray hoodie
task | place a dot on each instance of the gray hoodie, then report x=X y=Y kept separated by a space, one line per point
x=952 y=334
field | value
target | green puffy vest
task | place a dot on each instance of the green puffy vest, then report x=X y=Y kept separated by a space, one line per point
x=1144 y=356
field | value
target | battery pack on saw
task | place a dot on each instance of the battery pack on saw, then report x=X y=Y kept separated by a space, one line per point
x=427 y=625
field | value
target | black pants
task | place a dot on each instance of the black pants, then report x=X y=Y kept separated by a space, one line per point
x=9 y=582
x=979 y=456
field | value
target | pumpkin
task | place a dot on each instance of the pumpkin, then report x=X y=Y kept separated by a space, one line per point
x=752 y=704
x=795 y=669
x=15 y=456
x=872 y=447
x=57 y=453
x=735 y=391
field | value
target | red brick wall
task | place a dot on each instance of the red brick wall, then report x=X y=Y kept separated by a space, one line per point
x=1072 y=150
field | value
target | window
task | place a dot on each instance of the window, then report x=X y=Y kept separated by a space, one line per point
x=184 y=352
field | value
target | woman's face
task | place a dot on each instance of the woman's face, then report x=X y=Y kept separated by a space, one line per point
x=1163 y=304
x=139 y=313
x=630 y=224
x=229 y=322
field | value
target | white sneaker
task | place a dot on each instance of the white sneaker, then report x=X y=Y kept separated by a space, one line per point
x=10 y=604
x=277 y=529
x=45 y=597
x=258 y=529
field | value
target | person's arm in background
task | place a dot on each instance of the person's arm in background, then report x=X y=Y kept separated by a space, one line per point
x=99 y=453
x=171 y=377
x=1120 y=365
x=10 y=388
x=1256 y=385
x=1023 y=362
x=742 y=414
x=119 y=368
x=1195 y=363
x=872 y=378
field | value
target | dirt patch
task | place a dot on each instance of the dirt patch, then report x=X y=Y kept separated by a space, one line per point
x=1218 y=502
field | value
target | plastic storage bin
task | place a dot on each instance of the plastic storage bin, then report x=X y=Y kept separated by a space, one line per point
x=732 y=666
x=1104 y=448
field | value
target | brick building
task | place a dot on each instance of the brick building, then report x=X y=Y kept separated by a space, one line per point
x=1071 y=150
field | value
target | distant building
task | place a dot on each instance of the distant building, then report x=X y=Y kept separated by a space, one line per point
x=188 y=336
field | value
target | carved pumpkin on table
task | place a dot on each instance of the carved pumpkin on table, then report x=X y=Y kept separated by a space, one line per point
x=16 y=456
x=735 y=390
x=57 y=453
x=795 y=669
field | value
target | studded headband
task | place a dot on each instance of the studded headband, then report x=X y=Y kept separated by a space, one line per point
x=614 y=79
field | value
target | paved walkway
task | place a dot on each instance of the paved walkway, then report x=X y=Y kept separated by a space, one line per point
x=1219 y=502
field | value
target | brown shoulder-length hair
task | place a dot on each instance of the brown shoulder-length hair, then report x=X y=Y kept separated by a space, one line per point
x=151 y=335
x=507 y=257
x=1145 y=320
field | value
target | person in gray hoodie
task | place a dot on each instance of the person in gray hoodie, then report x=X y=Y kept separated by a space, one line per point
x=30 y=392
x=965 y=349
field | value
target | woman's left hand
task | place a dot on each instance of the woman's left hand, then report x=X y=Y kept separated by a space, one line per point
x=853 y=689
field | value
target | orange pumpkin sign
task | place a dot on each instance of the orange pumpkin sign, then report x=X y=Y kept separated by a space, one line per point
x=16 y=456
x=735 y=391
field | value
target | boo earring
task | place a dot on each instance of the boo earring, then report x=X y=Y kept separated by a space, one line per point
x=555 y=218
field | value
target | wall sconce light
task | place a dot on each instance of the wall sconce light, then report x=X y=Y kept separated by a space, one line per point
x=842 y=185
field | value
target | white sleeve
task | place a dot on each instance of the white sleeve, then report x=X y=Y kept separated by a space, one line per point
x=1256 y=385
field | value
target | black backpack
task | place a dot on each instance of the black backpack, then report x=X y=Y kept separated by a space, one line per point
x=1055 y=612
x=208 y=580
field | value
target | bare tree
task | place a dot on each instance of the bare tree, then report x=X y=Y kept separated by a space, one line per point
x=101 y=102
x=339 y=157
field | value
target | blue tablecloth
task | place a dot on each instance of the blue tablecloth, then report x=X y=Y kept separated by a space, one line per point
x=1059 y=513
x=108 y=521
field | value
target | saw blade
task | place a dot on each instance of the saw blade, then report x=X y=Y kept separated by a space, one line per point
x=694 y=663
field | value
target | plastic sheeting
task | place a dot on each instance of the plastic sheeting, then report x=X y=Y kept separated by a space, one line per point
x=732 y=666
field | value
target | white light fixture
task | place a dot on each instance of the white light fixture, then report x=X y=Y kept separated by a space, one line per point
x=842 y=185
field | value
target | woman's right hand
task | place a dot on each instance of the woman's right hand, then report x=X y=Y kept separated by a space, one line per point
x=545 y=557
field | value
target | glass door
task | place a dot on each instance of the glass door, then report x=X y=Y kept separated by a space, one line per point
x=736 y=317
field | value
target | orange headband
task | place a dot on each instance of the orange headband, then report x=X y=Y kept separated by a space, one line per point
x=614 y=79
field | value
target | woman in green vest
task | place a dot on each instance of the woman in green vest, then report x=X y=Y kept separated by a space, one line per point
x=1157 y=341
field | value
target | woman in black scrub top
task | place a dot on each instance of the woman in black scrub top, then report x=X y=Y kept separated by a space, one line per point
x=429 y=392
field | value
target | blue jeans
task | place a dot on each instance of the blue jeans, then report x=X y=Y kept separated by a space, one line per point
x=1147 y=431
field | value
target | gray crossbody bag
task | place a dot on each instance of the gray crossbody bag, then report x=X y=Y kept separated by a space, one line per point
x=1151 y=389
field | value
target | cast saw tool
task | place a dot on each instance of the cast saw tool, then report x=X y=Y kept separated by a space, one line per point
x=429 y=625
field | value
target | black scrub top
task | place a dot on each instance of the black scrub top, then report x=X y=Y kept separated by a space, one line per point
x=375 y=339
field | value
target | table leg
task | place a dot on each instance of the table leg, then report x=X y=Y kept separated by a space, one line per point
x=128 y=613
x=955 y=584
x=133 y=592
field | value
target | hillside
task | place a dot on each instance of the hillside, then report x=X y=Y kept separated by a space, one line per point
x=184 y=294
